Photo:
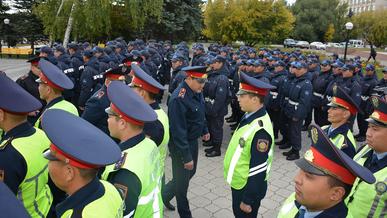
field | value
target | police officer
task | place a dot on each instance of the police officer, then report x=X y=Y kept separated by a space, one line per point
x=368 y=83
x=216 y=95
x=22 y=168
x=320 y=83
x=277 y=79
x=369 y=200
x=73 y=168
x=341 y=109
x=47 y=53
x=148 y=88
x=95 y=107
x=186 y=112
x=87 y=82
x=52 y=82
x=383 y=81
x=324 y=180
x=177 y=75
x=28 y=81
x=136 y=174
x=76 y=61
x=296 y=108
x=250 y=152
x=199 y=56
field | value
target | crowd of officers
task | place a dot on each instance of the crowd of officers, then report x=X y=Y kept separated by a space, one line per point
x=60 y=125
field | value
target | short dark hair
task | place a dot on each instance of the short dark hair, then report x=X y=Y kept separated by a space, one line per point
x=260 y=97
x=334 y=182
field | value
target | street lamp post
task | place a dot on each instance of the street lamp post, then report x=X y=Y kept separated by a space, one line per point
x=6 y=30
x=348 y=27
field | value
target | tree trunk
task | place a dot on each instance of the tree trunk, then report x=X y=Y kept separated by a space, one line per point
x=56 y=18
x=69 y=26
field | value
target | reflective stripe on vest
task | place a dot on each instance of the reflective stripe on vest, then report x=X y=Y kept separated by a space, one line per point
x=64 y=105
x=34 y=192
x=368 y=200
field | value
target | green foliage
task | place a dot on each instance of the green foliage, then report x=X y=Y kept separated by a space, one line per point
x=247 y=20
x=328 y=36
x=313 y=18
x=371 y=26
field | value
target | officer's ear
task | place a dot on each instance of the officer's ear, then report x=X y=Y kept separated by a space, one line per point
x=347 y=114
x=2 y=114
x=337 y=193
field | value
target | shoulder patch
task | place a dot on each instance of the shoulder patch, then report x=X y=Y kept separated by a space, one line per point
x=121 y=162
x=4 y=143
x=100 y=94
x=262 y=145
x=182 y=92
x=123 y=190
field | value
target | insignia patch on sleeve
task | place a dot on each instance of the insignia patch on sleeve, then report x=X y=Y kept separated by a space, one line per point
x=262 y=145
x=123 y=190
x=100 y=94
x=182 y=92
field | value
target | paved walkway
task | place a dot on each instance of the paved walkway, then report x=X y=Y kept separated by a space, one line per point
x=209 y=195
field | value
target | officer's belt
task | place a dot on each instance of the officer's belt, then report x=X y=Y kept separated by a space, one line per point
x=293 y=103
x=364 y=98
x=274 y=94
x=318 y=94
x=207 y=99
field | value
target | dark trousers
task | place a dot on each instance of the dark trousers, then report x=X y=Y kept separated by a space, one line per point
x=237 y=197
x=362 y=123
x=284 y=127
x=275 y=116
x=294 y=133
x=215 y=128
x=321 y=116
x=178 y=186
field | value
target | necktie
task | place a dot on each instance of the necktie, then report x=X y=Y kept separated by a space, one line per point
x=301 y=213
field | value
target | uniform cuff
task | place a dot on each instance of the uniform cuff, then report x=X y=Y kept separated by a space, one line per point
x=187 y=157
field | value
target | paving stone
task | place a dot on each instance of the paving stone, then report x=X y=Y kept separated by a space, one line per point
x=224 y=213
x=201 y=212
x=222 y=202
x=200 y=201
x=269 y=204
x=212 y=208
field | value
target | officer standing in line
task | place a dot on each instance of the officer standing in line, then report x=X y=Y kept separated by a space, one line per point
x=52 y=82
x=199 y=55
x=76 y=60
x=95 y=107
x=186 y=112
x=313 y=73
x=296 y=108
x=136 y=174
x=324 y=180
x=87 y=83
x=369 y=200
x=368 y=84
x=277 y=79
x=250 y=153
x=216 y=95
x=259 y=71
x=148 y=88
x=383 y=81
x=352 y=86
x=177 y=75
x=47 y=53
x=320 y=84
x=341 y=109
x=22 y=167
x=73 y=168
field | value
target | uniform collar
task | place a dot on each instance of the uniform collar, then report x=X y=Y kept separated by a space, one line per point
x=246 y=120
x=21 y=130
x=343 y=129
x=54 y=101
x=132 y=141
x=155 y=105
x=339 y=210
x=88 y=193
x=189 y=92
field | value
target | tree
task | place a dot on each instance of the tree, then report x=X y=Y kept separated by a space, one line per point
x=314 y=16
x=371 y=26
x=328 y=37
x=250 y=21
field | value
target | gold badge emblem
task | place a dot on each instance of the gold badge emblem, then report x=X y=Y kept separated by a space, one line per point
x=314 y=134
x=334 y=89
x=375 y=102
x=380 y=188
x=309 y=155
x=375 y=115
x=262 y=145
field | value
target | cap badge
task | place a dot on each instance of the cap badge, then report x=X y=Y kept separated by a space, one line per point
x=314 y=134
x=309 y=155
x=375 y=102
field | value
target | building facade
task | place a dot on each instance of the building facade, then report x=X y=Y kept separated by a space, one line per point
x=359 y=6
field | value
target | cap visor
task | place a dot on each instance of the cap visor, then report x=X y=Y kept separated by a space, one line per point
x=308 y=167
x=378 y=123
x=48 y=155
x=241 y=92
x=109 y=111
x=38 y=80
